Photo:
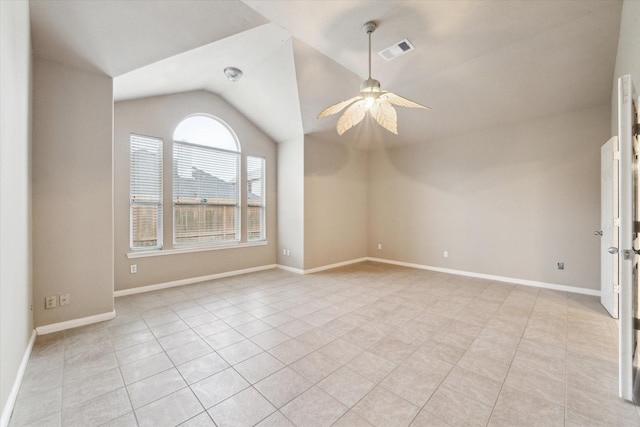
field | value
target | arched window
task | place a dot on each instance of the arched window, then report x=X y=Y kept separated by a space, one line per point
x=206 y=182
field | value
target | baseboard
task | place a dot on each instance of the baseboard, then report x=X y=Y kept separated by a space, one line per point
x=190 y=281
x=290 y=269
x=525 y=282
x=74 y=323
x=13 y=395
x=321 y=268
x=336 y=265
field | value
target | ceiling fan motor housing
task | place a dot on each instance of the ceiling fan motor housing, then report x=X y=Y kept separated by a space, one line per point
x=370 y=85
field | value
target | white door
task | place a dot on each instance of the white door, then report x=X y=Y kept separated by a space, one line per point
x=609 y=226
x=627 y=118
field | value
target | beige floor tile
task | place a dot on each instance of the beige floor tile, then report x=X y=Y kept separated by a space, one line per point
x=371 y=366
x=383 y=408
x=170 y=410
x=258 y=367
x=427 y=419
x=313 y=408
x=601 y=406
x=92 y=365
x=89 y=388
x=223 y=339
x=138 y=351
x=275 y=420
x=179 y=338
x=188 y=352
x=457 y=408
x=239 y=351
x=269 y=339
x=472 y=385
x=218 y=387
x=201 y=420
x=441 y=351
x=315 y=366
x=415 y=386
x=246 y=408
x=202 y=367
x=341 y=351
x=36 y=407
x=351 y=419
x=155 y=387
x=402 y=331
x=253 y=328
x=283 y=386
x=487 y=366
x=98 y=410
x=290 y=351
x=346 y=386
x=515 y=407
x=296 y=327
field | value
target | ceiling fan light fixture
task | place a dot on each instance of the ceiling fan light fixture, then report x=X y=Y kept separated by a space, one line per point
x=372 y=100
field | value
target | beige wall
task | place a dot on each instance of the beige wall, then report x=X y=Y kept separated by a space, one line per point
x=335 y=203
x=510 y=201
x=291 y=203
x=72 y=191
x=158 y=117
x=16 y=318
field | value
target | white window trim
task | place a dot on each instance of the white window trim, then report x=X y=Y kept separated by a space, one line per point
x=162 y=252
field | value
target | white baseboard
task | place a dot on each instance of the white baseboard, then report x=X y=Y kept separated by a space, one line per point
x=13 y=395
x=336 y=265
x=74 y=323
x=525 y=282
x=190 y=281
x=290 y=269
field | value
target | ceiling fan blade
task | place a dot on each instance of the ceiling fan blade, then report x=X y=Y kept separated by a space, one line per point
x=401 y=102
x=385 y=115
x=336 y=108
x=351 y=117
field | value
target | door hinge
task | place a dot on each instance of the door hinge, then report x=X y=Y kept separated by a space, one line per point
x=616 y=155
x=616 y=222
x=616 y=289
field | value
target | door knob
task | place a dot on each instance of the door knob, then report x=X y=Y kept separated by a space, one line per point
x=613 y=250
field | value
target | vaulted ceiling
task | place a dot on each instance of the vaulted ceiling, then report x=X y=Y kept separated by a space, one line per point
x=477 y=63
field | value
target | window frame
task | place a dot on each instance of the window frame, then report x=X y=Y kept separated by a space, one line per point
x=201 y=207
x=263 y=204
x=160 y=202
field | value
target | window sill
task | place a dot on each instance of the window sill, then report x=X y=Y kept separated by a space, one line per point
x=161 y=252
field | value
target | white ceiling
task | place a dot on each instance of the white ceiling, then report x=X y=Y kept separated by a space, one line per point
x=477 y=63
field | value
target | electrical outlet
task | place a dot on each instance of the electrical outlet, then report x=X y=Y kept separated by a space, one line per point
x=284 y=252
x=446 y=254
x=65 y=299
x=50 y=302
x=133 y=268
x=288 y=252
x=379 y=246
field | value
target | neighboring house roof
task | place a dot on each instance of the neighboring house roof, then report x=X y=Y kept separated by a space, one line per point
x=200 y=185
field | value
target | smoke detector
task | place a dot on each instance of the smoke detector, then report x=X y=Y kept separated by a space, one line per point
x=233 y=73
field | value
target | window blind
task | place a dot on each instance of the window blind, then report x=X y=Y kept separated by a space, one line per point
x=145 y=192
x=255 y=198
x=205 y=194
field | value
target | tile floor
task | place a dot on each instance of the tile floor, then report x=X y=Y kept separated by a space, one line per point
x=368 y=344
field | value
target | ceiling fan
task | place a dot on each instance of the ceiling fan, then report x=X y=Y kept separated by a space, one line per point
x=378 y=103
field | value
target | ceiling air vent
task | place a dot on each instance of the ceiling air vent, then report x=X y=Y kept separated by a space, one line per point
x=396 y=50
